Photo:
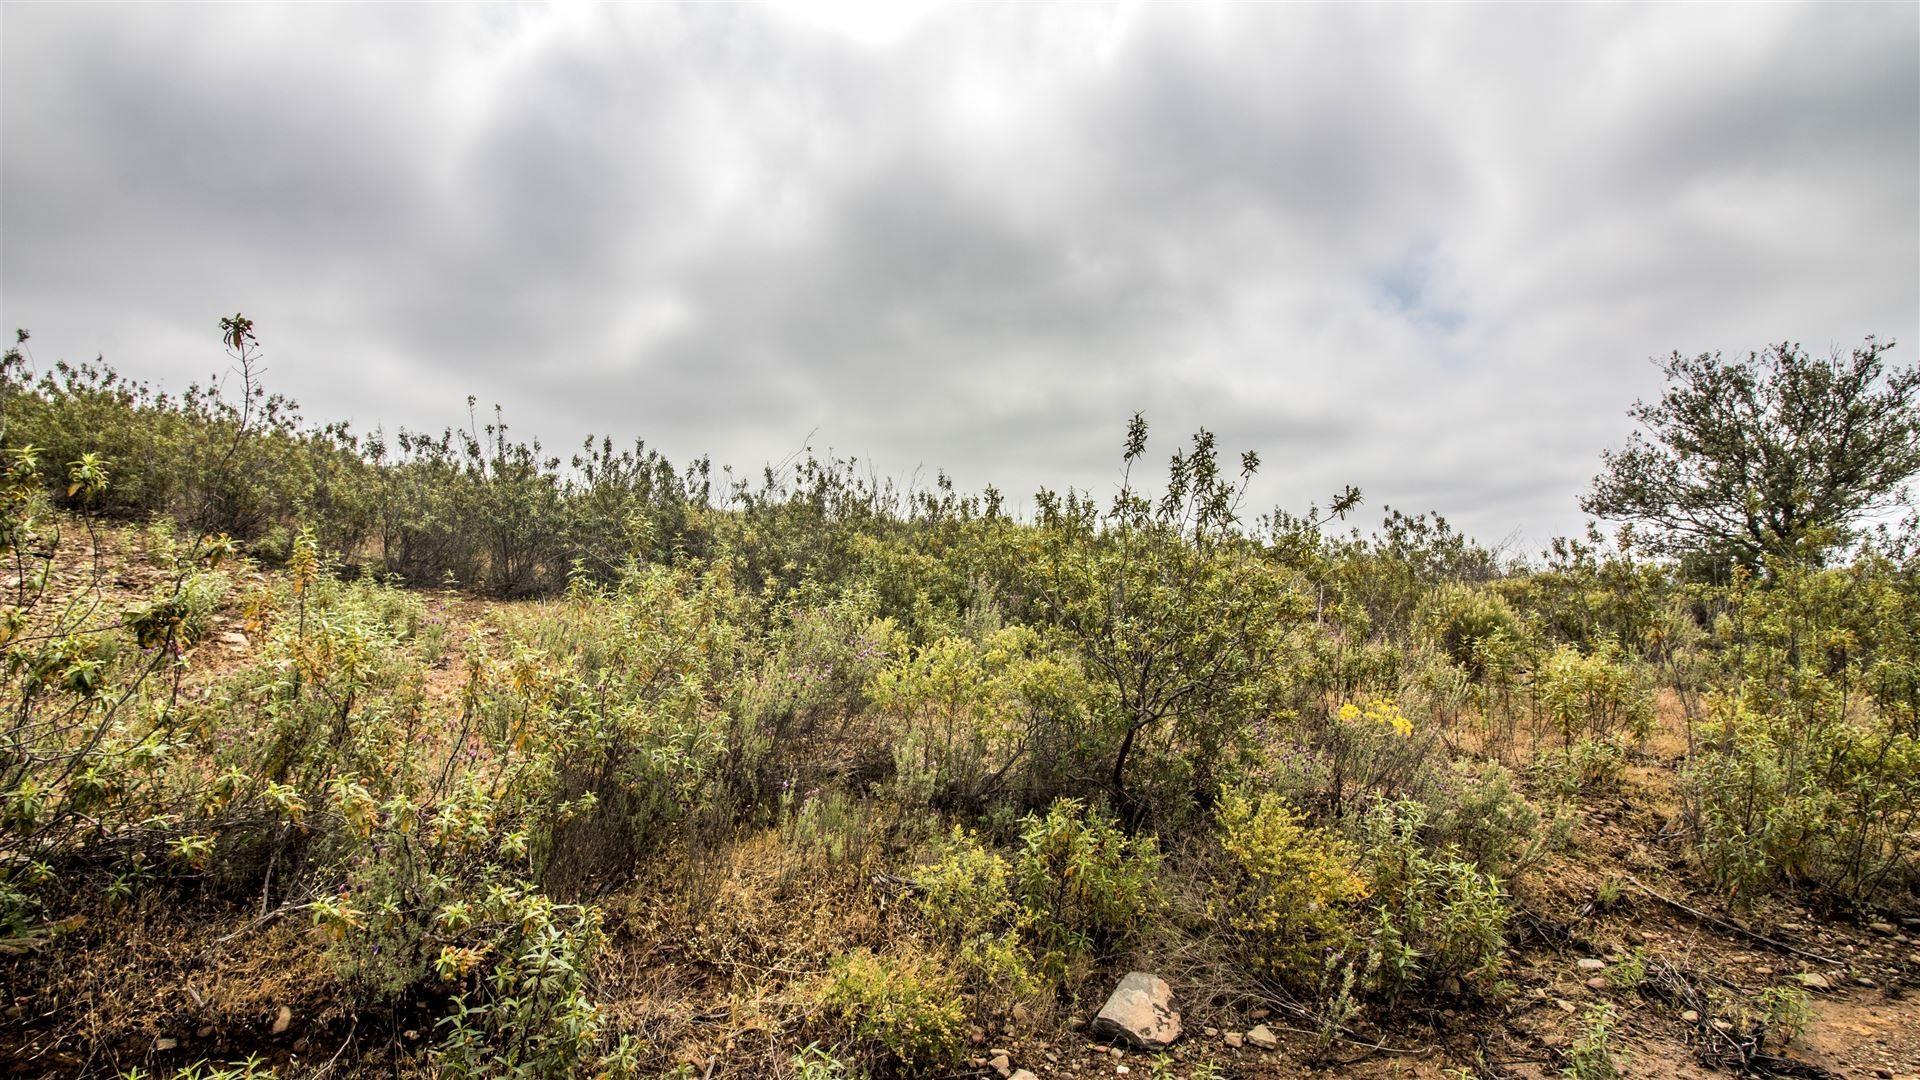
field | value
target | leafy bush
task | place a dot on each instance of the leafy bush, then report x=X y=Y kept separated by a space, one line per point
x=527 y=1014
x=1290 y=889
x=1470 y=626
x=901 y=1013
x=1438 y=920
x=1592 y=695
x=1083 y=885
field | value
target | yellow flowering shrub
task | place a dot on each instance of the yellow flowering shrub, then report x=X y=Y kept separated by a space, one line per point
x=1381 y=712
x=1293 y=885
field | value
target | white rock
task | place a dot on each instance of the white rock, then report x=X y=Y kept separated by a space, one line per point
x=1263 y=1037
x=1139 y=1012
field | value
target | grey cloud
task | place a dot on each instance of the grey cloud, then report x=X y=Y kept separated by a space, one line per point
x=1424 y=250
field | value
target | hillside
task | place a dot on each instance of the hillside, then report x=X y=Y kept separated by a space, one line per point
x=321 y=759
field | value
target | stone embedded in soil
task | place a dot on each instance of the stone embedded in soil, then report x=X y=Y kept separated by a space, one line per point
x=1813 y=980
x=283 y=1021
x=1001 y=1064
x=1139 y=1012
x=1588 y=963
x=1022 y=1074
x=1263 y=1037
x=1596 y=983
x=1234 y=1039
x=1690 y=1017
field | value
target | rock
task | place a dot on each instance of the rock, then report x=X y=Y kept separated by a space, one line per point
x=163 y=1045
x=1588 y=963
x=1263 y=1037
x=1022 y=1074
x=233 y=638
x=1690 y=1016
x=1234 y=1039
x=1884 y=929
x=1001 y=1064
x=1813 y=980
x=1866 y=982
x=1140 y=1013
x=1210 y=1032
x=1597 y=983
x=283 y=1021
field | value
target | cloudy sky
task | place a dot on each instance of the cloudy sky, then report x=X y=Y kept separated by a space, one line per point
x=1426 y=250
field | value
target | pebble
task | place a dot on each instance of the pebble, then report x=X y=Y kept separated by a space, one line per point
x=1813 y=980
x=1596 y=983
x=1234 y=1039
x=283 y=1021
x=1263 y=1037
x=1588 y=963
x=1690 y=1016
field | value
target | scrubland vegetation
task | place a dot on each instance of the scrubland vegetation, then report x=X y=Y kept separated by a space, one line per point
x=327 y=754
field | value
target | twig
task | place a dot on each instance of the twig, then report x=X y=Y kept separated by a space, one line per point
x=1730 y=926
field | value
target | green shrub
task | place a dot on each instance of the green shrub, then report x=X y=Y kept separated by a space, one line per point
x=1592 y=1056
x=1083 y=885
x=526 y=1013
x=1491 y=824
x=1594 y=696
x=1470 y=626
x=1437 y=919
x=902 y=1014
x=1290 y=890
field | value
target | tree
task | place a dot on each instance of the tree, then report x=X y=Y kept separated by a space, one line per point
x=1172 y=607
x=1772 y=456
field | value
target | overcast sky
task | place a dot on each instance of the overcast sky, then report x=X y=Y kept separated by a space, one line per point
x=1426 y=250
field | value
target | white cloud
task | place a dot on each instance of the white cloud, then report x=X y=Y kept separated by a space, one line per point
x=1427 y=250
